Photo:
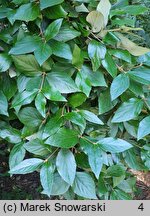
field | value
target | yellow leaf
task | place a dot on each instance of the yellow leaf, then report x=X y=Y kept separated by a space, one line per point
x=104 y=7
x=96 y=19
x=132 y=47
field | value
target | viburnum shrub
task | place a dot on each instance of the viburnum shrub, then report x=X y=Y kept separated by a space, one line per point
x=75 y=95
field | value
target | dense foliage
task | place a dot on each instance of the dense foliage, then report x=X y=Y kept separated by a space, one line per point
x=74 y=95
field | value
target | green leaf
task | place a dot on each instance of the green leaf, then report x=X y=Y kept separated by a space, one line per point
x=86 y=79
x=3 y=104
x=109 y=64
x=105 y=103
x=53 y=29
x=135 y=9
x=10 y=89
x=114 y=145
x=30 y=117
x=67 y=33
x=25 y=45
x=66 y=165
x=136 y=88
x=18 y=2
x=17 y=154
x=64 y=138
x=97 y=52
x=53 y=125
x=144 y=128
x=10 y=134
x=62 y=82
x=102 y=187
x=121 y=54
x=61 y=49
x=118 y=194
x=27 y=166
x=5 y=62
x=36 y=147
x=84 y=185
x=141 y=75
x=145 y=156
x=116 y=170
x=23 y=98
x=46 y=178
x=77 y=99
x=40 y=103
x=77 y=119
x=125 y=186
x=119 y=85
x=132 y=160
x=44 y=3
x=42 y=53
x=128 y=110
x=27 y=65
x=55 y=12
x=27 y=12
x=77 y=59
x=95 y=156
x=59 y=185
x=91 y=117
x=51 y=93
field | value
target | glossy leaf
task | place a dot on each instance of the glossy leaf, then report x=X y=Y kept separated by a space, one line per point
x=59 y=186
x=30 y=117
x=95 y=156
x=97 y=52
x=5 y=62
x=61 y=49
x=42 y=53
x=27 y=65
x=40 y=103
x=114 y=145
x=36 y=147
x=91 y=117
x=62 y=82
x=144 y=128
x=64 y=138
x=66 y=165
x=46 y=178
x=45 y=3
x=3 y=104
x=26 y=166
x=119 y=85
x=53 y=29
x=109 y=64
x=84 y=185
x=25 y=45
x=17 y=155
x=128 y=110
x=27 y=12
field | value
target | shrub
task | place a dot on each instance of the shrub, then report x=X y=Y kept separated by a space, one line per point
x=74 y=95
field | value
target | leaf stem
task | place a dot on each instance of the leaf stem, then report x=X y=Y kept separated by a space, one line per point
x=93 y=143
x=42 y=82
x=46 y=160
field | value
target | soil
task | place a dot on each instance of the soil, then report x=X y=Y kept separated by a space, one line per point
x=27 y=187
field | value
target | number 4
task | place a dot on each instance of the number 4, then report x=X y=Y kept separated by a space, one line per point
x=141 y=207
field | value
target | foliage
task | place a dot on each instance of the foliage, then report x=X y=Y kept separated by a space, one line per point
x=74 y=95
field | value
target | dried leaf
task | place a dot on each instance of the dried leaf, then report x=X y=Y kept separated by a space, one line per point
x=96 y=19
x=104 y=8
x=132 y=47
